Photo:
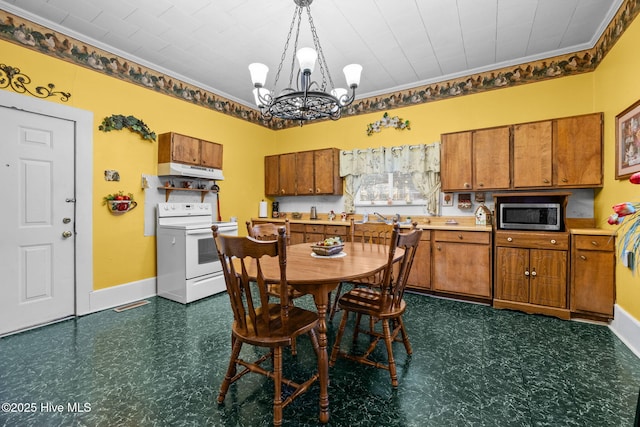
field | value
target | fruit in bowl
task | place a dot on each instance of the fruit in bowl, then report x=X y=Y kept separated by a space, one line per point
x=329 y=246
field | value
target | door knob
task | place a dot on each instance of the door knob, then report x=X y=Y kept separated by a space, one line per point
x=67 y=234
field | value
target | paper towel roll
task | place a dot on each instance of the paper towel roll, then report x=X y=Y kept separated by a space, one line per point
x=263 y=209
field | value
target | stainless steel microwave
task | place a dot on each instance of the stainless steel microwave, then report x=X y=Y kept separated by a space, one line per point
x=530 y=216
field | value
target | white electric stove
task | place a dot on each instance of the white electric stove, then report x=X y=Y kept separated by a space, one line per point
x=188 y=267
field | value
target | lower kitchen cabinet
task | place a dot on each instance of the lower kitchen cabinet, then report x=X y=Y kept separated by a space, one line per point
x=531 y=272
x=592 y=275
x=462 y=263
x=309 y=233
x=420 y=275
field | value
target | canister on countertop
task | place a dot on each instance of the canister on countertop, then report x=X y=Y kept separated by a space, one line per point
x=314 y=213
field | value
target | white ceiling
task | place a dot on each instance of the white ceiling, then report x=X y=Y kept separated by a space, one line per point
x=400 y=43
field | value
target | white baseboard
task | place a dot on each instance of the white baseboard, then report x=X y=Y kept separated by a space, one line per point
x=627 y=328
x=103 y=299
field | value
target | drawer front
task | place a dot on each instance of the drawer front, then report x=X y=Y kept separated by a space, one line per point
x=533 y=240
x=426 y=235
x=479 y=237
x=314 y=228
x=299 y=228
x=594 y=243
x=335 y=230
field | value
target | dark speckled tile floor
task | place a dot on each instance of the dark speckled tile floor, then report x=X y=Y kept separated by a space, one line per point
x=162 y=364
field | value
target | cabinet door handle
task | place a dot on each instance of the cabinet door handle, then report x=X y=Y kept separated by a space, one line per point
x=438 y=248
x=318 y=190
x=467 y=185
x=564 y=180
x=594 y=243
x=460 y=236
x=582 y=257
x=481 y=185
x=282 y=191
x=546 y=181
x=509 y=239
x=311 y=190
x=526 y=272
x=533 y=273
x=553 y=241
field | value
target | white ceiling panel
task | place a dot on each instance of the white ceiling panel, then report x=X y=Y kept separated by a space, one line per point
x=400 y=43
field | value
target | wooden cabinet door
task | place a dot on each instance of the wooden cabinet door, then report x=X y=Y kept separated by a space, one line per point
x=578 y=151
x=548 y=278
x=185 y=149
x=271 y=175
x=593 y=274
x=304 y=173
x=511 y=282
x=593 y=288
x=297 y=233
x=462 y=268
x=532 y=151
x=420 y=274
x=287 y=174
x=455 y=161
x=326 y=173
x=210 y=154
x=491 y=159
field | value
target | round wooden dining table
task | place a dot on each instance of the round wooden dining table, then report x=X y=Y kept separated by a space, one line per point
x=318 y=276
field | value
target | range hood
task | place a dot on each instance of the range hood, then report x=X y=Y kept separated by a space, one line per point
x=192 y=171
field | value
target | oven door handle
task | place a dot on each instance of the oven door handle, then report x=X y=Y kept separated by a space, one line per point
x=200 y=232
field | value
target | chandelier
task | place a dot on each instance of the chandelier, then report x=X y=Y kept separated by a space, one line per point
x=309 y=100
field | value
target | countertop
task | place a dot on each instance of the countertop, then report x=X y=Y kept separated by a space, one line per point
x=439 y=223
x=435 y=223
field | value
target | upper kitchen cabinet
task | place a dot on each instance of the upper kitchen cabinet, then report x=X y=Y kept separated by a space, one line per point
x=176 y=148
x=555 y=153
x=476 y=160
x=303 y=173
x=491 y=150
x=532 y=155
x=578 y=151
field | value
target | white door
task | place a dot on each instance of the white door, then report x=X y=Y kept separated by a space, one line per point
x=36 y=218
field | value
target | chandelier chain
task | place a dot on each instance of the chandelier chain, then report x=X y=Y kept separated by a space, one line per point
x=286 y=45
x=321 y=60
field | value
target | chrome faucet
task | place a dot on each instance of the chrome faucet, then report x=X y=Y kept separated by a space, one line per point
x=380 y=216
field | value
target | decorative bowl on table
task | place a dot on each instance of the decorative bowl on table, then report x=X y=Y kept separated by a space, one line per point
x=327 y=250
x=328 y=247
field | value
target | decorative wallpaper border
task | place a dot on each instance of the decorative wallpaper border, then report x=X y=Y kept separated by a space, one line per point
x=30 y=35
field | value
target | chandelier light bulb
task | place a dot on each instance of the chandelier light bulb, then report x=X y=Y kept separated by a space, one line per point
x=340 y=94
x=352 y=74
x=307 y=59
x=258 y=74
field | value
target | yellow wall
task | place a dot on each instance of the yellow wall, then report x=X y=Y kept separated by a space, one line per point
x=121 y=252
x=617 y=87
x=612 y=88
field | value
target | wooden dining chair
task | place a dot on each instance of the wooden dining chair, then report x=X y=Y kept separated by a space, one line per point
x=259 y=322
x=384 y=305
x=269 y=231
x=365 y=234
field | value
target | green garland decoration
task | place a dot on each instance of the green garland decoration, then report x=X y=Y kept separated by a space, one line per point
x=388 y=122
x=119 y=122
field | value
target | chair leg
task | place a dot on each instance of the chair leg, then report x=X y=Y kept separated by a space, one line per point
x=336 y=344
x=334 y=306
x=231 y=370
x=356 y=327
x=392 y=362
x=405 y=336
x=277 y=379
x=294 y=351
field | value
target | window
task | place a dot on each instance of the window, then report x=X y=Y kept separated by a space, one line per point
x=379 y=189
